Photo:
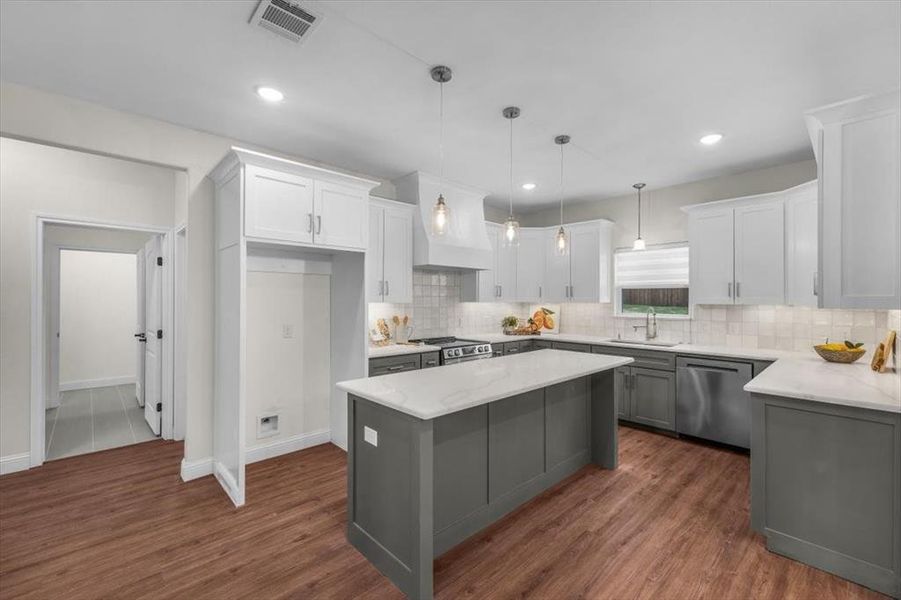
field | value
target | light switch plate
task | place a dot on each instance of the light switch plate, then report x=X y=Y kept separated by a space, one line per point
x=370 y=436
x=288 y=331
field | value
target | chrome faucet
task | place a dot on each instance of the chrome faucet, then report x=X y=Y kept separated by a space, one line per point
x=650 y=324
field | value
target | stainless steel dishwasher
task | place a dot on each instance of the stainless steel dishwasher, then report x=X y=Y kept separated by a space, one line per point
x=711 y=402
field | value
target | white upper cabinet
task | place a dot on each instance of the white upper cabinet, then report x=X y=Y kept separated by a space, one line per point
x=530 y=258
x=505 y=274
x=389 y=258
x=710 y=239
x=760 y=253
x=556 y=269
x=278 y=205
x=482 y=285
x=583 y=274
x=340 y=215
x=801 y=245
x=292 y=203
x=858 y=148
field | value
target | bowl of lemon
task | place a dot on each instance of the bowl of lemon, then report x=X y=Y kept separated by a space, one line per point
x=840 y=352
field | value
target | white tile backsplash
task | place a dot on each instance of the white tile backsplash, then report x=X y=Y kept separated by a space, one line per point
x=438 y=309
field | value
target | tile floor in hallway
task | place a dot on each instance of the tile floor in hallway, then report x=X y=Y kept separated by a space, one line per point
x=95 y=419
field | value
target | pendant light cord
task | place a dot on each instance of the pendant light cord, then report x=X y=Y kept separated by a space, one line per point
x=511 y=168
x=561 y=185
x=441 y=133
x=639 y=213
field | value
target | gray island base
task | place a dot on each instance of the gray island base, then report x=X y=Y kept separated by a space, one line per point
x=419 y=486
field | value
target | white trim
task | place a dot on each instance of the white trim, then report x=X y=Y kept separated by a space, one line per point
x=195 y=469
x=96 y=383
x=14 y=463
x=287 y=445
x=38 y=324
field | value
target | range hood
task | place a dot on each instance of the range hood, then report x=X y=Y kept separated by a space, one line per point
x=464 y=246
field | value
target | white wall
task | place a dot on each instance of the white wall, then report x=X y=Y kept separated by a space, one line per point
x=98 y=296
x=287 y=375
x=43 y=179
x=32 y=114
x=662 y=221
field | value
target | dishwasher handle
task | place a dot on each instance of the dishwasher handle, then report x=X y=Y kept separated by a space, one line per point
x=723 y=366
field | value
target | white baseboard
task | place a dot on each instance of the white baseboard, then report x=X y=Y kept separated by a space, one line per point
x=14 y=462
x=291 y=444
x=194 y=469
x=95 y=383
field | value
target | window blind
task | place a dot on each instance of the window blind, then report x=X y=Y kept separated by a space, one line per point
x=654 y=267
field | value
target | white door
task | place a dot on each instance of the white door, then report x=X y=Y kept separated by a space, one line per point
x=340 y=214
x=801 y=246
x=398 y=255
x=530 y=266
x=711 y=254
x=556 y=269
x=278 y=205
x=585 y=263
x=760 y=253
x=375 y=256
x=153 y=325
x=140 y=328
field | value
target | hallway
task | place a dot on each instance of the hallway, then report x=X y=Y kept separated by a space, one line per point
x=95 y=419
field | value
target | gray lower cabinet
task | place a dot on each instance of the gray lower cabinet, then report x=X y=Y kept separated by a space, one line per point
x=394 y=364
x=826 y=487
x=652 y=398
x=542 y=344
x=430 y=359
x=572 y=347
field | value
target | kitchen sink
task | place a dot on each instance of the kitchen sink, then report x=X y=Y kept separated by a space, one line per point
x=643 y=343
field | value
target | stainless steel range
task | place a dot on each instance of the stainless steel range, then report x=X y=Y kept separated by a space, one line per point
x=455 y=350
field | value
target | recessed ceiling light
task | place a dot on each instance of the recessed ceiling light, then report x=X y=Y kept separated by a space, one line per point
x=711 y=139
x=528 y=186
x=270 y=94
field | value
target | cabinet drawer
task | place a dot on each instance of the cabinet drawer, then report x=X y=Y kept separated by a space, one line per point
x=393 y=364
x=542 y=344
x=430 y=359
x=571 y=347
x=514 y=348
x=647 y=359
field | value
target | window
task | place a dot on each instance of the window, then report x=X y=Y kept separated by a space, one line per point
x=654 y=278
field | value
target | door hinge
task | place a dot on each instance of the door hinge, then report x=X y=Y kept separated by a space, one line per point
x=159 y=407
x=159 y=261
x=159 y=334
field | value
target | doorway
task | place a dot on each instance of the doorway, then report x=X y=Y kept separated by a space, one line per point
x=107 y=368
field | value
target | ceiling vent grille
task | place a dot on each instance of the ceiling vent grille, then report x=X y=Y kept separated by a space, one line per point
x=285 y=18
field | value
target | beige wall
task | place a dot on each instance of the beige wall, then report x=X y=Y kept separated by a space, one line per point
x=287 y=375
x=98 y=317
x=662 y=220
x=31 y=114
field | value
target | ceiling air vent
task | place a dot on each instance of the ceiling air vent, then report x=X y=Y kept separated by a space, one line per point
x=285 y=18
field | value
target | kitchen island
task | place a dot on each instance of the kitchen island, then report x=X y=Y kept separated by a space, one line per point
x=436 y=455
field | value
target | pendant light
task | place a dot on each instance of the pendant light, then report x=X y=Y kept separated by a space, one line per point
x=638 y=244
x=561 y=241
x=440 y=212
x=511 y=225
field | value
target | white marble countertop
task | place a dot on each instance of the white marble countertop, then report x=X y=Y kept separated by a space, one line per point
x=399 y=349
x=723 y=351
x=431 y=393
x=812 y=378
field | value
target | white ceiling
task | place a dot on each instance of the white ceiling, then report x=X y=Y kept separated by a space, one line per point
x=634 y=84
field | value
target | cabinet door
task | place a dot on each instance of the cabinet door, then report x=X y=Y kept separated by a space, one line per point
x=485 y=282
x=801 y=247
x=760 y=253
x=398 y=250
x=340 y=215
x=277 y=206
x=653 y=398
x=505 y=275
x=530 y=266
x=860 y=169
x=556 y=270
x=710 y=240
x=375 y=255
x=621 y=391
x=585 y=263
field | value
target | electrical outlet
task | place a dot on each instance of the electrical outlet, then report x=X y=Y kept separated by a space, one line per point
x=370 y=436
x=288 y=331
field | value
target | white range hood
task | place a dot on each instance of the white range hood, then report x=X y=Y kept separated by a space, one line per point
x=465 y=245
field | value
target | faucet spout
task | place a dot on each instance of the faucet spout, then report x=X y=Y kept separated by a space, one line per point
x=650 y=321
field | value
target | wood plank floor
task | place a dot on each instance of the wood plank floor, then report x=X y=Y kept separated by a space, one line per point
x=671 y=522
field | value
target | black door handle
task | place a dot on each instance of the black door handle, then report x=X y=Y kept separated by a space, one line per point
x=142 y=337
